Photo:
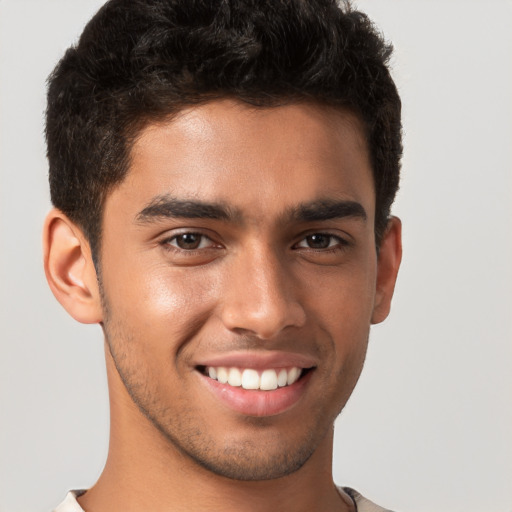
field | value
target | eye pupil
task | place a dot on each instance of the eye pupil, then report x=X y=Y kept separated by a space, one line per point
x=318 y=241
x=188 y=241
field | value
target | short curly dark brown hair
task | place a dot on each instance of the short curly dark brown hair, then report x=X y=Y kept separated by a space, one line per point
x=139 y=61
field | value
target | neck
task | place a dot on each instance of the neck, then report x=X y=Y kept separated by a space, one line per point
x=145 y=471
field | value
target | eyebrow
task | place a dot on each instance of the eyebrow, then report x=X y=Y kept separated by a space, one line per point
x=327 y=209
x=164 y=207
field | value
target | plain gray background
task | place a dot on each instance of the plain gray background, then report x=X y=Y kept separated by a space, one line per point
x=429 y=427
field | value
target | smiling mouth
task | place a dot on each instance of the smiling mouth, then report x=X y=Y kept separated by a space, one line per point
x=251 y=379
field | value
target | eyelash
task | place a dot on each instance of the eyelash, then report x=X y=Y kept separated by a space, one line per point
x=340 y=244
x=167 y=243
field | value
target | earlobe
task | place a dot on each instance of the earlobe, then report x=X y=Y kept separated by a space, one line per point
x=69 y=268
x=388 y=263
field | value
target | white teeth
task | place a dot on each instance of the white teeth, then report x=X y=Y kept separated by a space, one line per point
x=268 y=380
x=282 y=378
x=249 y=378
x=234 y=377
x=222 y=375
x=293 y=375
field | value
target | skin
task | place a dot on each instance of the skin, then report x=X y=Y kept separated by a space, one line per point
x=260 y=280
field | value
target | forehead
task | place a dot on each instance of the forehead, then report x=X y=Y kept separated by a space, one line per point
x=252 y=157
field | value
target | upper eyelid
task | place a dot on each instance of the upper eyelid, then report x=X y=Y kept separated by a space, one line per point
x=213 y=243
x=340 y=239
x=177 y=235
x=345 y=237
x=189 y=232
x=172 y=234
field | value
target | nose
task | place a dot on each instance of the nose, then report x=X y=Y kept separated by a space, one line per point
x=260 y=295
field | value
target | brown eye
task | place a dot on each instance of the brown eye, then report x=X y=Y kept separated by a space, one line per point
x=190 y=241
x=318 y=241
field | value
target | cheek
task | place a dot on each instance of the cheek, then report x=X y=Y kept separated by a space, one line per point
x=343 y=306
x=346 y=314
x=163 y=306
x=344 y=297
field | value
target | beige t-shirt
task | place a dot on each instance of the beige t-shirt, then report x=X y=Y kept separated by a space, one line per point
x=362 y=504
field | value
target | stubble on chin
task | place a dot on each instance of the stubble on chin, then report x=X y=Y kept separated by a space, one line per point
x=268 y=455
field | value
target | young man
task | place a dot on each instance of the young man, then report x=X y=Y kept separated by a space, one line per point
x=222 y=175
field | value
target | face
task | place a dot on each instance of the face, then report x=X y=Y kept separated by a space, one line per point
x=239 y=280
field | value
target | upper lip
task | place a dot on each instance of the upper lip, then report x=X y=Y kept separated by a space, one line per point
x=260 y=359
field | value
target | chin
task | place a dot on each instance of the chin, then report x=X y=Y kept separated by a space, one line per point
x=243 y=464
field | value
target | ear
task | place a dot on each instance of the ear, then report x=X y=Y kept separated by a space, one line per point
x=388 y=263
x=69 y=268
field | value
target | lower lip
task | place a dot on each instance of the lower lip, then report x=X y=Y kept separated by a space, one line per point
x=258 y=403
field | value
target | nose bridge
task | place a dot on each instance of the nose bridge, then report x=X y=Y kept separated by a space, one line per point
x=261 y=296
